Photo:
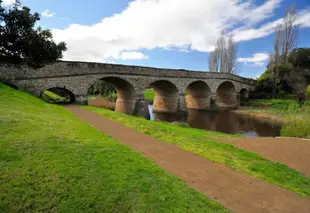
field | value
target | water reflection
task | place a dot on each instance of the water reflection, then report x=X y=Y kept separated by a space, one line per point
x=226 y=122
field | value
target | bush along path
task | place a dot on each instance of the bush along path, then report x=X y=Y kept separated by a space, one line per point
x=237 y=191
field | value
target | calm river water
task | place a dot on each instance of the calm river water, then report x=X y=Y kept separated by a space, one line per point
x=226 y=122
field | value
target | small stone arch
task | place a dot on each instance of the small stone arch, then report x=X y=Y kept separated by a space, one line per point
x=166 y=96
x=198 y=95
x=65 y=96
x=126 y=94
x=244 y=96
x=226 y=96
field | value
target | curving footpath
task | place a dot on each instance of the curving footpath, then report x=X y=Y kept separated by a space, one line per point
x=237 y=191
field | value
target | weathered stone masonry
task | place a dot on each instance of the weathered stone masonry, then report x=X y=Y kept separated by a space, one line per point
x=175 y=90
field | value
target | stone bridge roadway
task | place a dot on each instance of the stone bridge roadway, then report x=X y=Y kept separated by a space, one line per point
x=175 y=90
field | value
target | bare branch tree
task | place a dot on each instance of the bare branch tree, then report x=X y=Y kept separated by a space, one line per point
x=221 y=48
x=224 y=57
x=275 y=58
x=288 y=33
x=231 y=55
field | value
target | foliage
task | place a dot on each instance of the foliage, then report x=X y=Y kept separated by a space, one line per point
x=205 y=144
x=296 y=128
x=308 y=93
x=51 y=161
x=300 y=57
x=265 y=75
x=264 y=85
x=149 y=95
x=295 y=115
x=22 y=43
x=102 y=88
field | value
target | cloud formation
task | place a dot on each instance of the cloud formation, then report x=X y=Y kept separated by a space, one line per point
x=257 y=59
x=47 y=14
x=303 y=20
x=168 y=24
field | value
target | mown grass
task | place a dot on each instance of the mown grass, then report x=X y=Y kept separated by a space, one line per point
x=149 y=95
x=204 y=144
x=50 y=161
x=296 y=117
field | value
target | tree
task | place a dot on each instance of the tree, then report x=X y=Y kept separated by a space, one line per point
x=288 y=33
x=221 y=48
x=231 y=55
x=23 y=43
x=224 y=57
x=300 y=57
x=275 y=59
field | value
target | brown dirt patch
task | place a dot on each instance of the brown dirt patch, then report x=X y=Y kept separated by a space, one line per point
x=236 y=191
x=293 y=152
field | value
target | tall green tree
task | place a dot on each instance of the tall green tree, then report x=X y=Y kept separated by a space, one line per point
x=21 y=42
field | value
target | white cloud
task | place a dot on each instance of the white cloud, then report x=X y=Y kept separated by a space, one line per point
x=47 y=14
x=132 y=55
x=167 y=24
x=257 y=59
x=8 y=2
x=245 y=34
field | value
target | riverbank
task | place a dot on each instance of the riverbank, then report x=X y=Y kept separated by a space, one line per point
x=294 y=118
x=208 y=144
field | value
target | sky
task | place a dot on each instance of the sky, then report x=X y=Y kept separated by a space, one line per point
x=177 y=34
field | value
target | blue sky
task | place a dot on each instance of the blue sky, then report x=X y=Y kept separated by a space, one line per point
x=167 y=33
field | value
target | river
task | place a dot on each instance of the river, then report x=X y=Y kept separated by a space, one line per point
x=224 y=121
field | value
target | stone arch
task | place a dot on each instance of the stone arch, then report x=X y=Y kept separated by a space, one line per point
x=126 y=94
x=244 y=96
x=66 y=96
x=166 y=96
x=198 y=95
x=226 y=96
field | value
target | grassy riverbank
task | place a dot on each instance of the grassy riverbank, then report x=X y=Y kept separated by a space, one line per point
x=50 y=161
x=295 y=117
x=205 y=144
x=149 y=95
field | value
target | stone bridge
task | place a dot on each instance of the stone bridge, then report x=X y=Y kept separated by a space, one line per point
x=175 y=90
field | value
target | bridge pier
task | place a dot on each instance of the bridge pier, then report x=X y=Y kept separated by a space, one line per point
x=142 y=108
x=125 y=106
x=182 y=106
x=168 y=104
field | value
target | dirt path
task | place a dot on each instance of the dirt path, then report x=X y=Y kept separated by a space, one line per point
x=291 y=151
x=238 y=192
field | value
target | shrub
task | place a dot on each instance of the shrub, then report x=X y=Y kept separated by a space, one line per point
x=308 y=93
x=296 y=128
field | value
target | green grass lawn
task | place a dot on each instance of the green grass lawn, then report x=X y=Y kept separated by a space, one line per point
x=50 y=161
x=149 y=95
x=202 y=142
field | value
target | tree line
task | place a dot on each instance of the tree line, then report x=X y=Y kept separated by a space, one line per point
x=284 y=73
